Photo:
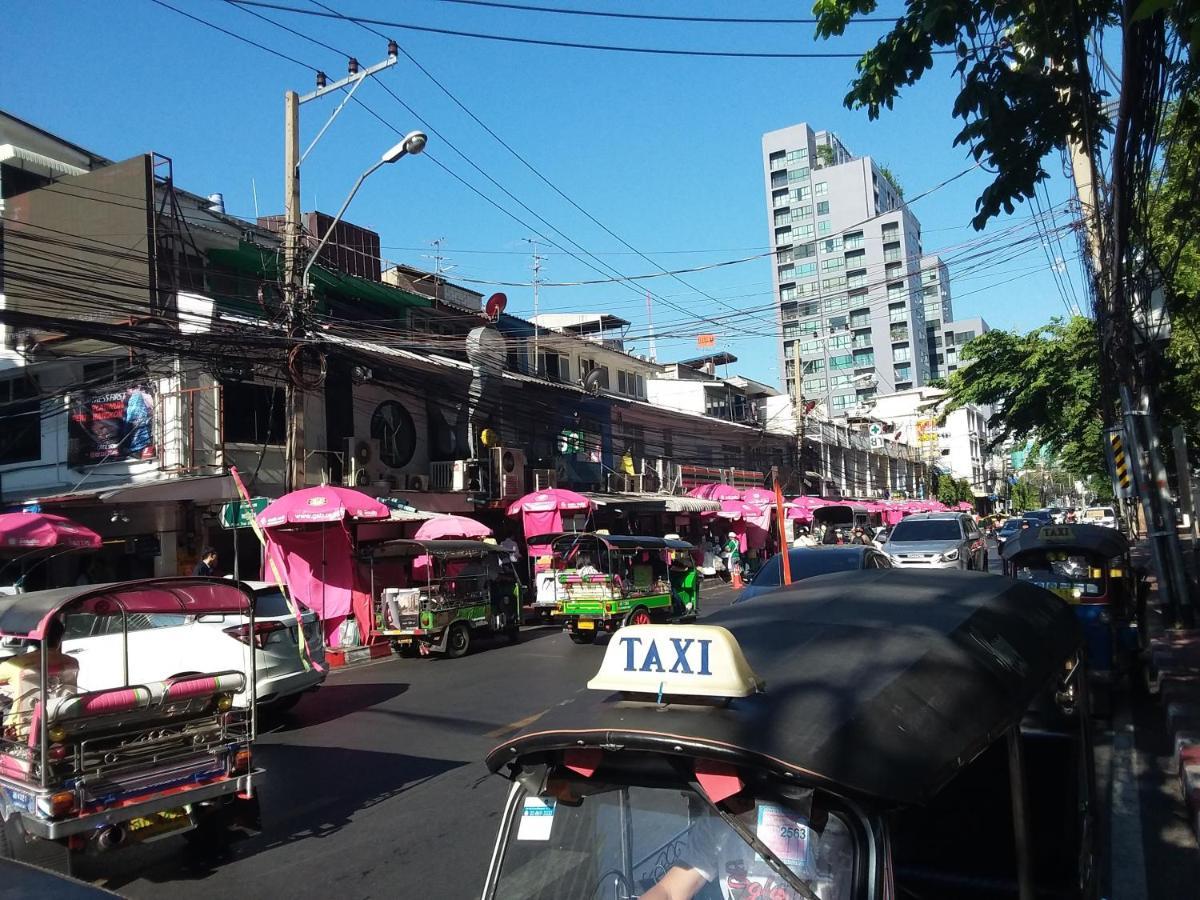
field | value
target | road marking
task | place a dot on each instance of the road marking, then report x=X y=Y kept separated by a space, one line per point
x=517 y=725
x=1128 y=862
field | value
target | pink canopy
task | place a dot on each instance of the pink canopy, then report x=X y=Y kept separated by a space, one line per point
x=759 y=496
x=44 y=531
x=541 y=512
x=321 y=504
x=715 y=492
x=451 y=527
x=965 y=506
x=739 y=509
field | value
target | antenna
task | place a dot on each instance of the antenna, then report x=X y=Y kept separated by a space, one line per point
x=254 y=192
x=537 y=277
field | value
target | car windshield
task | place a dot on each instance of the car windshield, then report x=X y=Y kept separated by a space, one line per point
x=622 y=841
x=806 y=563
x=1067 y=574
x=926 y=530
x=1010 y=526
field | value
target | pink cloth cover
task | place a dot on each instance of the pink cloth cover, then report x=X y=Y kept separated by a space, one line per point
x=319 y=568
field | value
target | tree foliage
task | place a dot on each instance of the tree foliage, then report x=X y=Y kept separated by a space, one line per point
x=1023 y=496
x=1015 y=108
x=1043 y=386
x=893 y=180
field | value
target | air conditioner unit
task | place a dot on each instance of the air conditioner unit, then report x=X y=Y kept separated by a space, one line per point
x=416 y=482
x=508 y=473
x=544 y=479
x=460 y=475
x=360 y=462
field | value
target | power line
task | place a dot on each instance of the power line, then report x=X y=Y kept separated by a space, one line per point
x=648 y=17
x=569 y=45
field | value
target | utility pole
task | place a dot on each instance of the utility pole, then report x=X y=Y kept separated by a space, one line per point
x=650 y=325
x=537 y=277
x=800 y=421
x=295 y=293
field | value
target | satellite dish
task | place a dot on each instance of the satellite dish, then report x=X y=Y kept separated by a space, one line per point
x=495 y=305
x=591 y=382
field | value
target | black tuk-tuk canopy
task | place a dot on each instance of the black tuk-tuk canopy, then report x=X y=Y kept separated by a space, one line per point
x=879 y=684
x=26 y=615
x=447 y=549
x=615 y=541
x=1093 y=540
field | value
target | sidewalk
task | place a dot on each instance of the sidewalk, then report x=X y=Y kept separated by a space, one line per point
x=1173 y=673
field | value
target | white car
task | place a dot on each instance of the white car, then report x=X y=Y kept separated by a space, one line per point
x=1099 y=515
x=161 y=646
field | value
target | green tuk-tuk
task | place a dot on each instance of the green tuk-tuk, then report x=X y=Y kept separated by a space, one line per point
x=604 y=581
x=434 y=596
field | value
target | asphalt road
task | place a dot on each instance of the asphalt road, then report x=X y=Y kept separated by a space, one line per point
x=375 y=786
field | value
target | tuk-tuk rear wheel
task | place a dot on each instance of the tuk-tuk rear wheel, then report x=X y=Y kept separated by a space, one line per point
x=640 y=616
x=15 y=844
x=459 y=640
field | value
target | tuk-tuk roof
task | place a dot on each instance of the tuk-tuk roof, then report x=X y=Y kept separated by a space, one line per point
x=26 y=615
x=616 y=541
x=446 y=549
x=879 y=684
x=1093 y=539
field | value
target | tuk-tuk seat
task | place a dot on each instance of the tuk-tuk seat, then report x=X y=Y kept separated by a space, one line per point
x=576 y=578
x=99 y=703
x=188 y=687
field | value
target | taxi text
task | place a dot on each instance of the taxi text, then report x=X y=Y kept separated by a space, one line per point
x=686 y=660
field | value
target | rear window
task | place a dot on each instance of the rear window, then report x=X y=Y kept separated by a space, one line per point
x=271 y=603
x=927 y=530
x=807 y=563
x=1103 y=512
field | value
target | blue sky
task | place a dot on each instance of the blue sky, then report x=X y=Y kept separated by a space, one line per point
x=664 y=151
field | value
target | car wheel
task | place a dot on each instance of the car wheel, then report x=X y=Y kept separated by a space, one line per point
x=639 y=616
x=459 y=640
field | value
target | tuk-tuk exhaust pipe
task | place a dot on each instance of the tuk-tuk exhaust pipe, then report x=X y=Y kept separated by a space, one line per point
x=111 y=838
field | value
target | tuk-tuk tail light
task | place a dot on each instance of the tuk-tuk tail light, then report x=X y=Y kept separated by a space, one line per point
x=56 y=733
x=57 y=804
x=239 y=763
x=57 y=752
x=224 y=702
x=1116 y=573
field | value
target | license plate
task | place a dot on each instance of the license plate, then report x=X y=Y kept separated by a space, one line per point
x=161 y=824
x=587 y=625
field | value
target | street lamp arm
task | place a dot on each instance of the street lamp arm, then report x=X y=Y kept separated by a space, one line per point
x=336 y=219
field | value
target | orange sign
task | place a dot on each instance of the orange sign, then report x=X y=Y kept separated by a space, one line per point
x=706 y=340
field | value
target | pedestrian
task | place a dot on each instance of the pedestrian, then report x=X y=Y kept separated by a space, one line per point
x=733 y=555
x=858 y=536
x=207 y=566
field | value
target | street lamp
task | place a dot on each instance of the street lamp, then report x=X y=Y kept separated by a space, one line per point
x=413 y=143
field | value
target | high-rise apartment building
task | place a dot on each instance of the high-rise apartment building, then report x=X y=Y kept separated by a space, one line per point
x=935 y=297
x=847 y=272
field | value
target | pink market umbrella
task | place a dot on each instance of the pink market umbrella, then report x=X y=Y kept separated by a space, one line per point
x=715 y=492
x=44 y=531
x=553 y=500
x=739 y=509
x=321 y=504
x=441 y=527
x=759 y=496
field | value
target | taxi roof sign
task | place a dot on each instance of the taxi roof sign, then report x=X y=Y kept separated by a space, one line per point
x=1056 y=533
x=676 y=660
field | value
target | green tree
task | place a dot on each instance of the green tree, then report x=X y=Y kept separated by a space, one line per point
x=1023 y=496
x=1044 y=386
x=1015 y=107
x=947 y=490
x=895 y=182
x=963 y=492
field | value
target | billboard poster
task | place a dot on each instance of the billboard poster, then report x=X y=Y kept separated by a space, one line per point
x=927 y=431
x=111 y=426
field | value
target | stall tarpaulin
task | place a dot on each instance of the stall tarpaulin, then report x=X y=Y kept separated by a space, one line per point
x=320 y=573
x=541 y=512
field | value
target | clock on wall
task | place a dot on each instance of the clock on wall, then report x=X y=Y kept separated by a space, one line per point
x=393 y=427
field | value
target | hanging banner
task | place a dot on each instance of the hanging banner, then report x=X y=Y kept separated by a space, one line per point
x=111 y=426
x=706 y=340
x=927 y=431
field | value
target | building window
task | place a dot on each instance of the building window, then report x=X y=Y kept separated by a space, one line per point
x=833 y=284
x=815 y=385
x=853 y=240
x=840 y=380
x=21 y=408
x=839 y=342
x=896 y=291
x=783 y=235
x=809 y=308
x=252 y=413
x=864 y=358
x=803 y=232
x=553 y=366
x=812 y=326
x=855 y=258
x=802 y=212
x=801 y=193
x=806 y=251
x=833 y=263
x=837 y=323
x=961 y=337
x=779 y=198
x=820 y=189
x=787 y=272
x=798 y=156
x=890 y=230
x=824 y=226
x=777 y=159
x=813 y=365
x=808 y=268
x=810 y=346
x=891 y=252
x=823 y=208
x=784 y=255
x=893 y=270
x=787 y=293
x=899 y=331
x=896 y=312
x=832 y=245
x=901 y=353
x=807 y=289
x=795 y=175
x=856 y=279
x=841 y=403
x=844 y=361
